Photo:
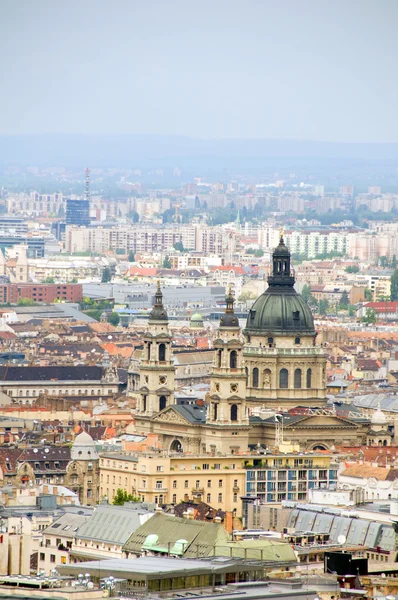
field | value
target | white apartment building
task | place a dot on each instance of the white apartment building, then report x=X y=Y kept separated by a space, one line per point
x=66 y=268
x=313 y=243
x=383 y=203
x=268 y=237
x=36 y=204
x=216 y=241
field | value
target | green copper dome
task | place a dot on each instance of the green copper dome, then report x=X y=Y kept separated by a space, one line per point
x=196 y=320
x=280 y=310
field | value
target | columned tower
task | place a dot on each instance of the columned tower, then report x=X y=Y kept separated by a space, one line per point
x=156 y=387
x=228 y=379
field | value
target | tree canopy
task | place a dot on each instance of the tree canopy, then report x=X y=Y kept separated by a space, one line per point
x=123 y=496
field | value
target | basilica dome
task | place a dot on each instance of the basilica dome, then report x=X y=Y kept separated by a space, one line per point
x=280 y=310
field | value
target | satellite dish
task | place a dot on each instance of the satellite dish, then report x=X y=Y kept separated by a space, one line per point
x=342 y=539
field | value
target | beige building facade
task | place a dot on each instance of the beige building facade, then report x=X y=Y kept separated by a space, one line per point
x=216 y=480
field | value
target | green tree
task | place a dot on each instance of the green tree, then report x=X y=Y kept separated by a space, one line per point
x=131 y=256
x=179 y=246
x=383 y=261
x=394 y=285
x=166 y=263
x=256 y=252
x=114 y=319
x=94 y=314
x=368 y=294
x=120 y=250
x=394 y=262
x=370 y=316
x=323 y=307
x=48 y=280
x=123 y=496
x=106 y=275
x=352 y=269
x=306 y=292
x=352 y=309
x=26 y=302
x=344 y=300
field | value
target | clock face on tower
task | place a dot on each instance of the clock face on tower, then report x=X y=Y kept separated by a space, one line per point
x=162 y=379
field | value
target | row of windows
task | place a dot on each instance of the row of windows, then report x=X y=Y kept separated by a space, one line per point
x=26 y=393
x=283 y=378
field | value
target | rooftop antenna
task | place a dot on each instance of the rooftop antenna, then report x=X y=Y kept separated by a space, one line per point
x=87 y=185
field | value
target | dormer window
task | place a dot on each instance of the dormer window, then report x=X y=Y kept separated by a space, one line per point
x=296 y=315
x=297 y=341
x=270 y=341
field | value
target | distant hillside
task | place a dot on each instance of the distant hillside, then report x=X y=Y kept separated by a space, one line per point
x=161 y=150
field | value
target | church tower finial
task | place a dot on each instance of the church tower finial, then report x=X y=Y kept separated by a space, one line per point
x=158 y=313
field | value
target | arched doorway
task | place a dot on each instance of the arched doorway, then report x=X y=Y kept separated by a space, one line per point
x=176 y=446
x=162 y=402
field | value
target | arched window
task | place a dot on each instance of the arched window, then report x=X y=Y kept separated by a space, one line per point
x=297 y=379
x=247 y=375
x=297 y=341
x=215 y=411
x=233 y=359
x=270 y=341
x=283 y=378
x=234 y=412
x=309 y=378
x=219 y=355
x=255 y=377
x=148 y=351
x=162 y=402
x=162 y=352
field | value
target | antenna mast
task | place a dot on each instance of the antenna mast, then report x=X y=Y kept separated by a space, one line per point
x=87 y=185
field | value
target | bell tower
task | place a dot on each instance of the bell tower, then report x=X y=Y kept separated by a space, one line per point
x=156 y=386
x=228 y=379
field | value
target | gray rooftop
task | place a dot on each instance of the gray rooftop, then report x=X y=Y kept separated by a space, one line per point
x=67 y=525
x=357 y=531
x=114 y=524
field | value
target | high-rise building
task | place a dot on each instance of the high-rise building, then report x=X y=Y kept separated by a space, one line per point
x=77 y=211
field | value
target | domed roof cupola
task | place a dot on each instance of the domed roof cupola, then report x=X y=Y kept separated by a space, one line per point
x=158 y=313
x=83 y=448
x=196 y=321
x=280 y=310
x=378 y=417
x=229 y=319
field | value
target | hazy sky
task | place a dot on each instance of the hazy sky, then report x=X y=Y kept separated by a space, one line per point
x=300 y=69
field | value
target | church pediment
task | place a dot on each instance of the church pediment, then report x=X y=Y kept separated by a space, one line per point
x=169 y=415
x=320 y=421
x=162 y=391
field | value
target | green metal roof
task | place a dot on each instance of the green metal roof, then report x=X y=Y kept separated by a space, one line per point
x=265 y=550
x=182 y=537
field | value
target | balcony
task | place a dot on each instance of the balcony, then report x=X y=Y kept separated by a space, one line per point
x=236 y=488
x=296 y=351
x=198 y=490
